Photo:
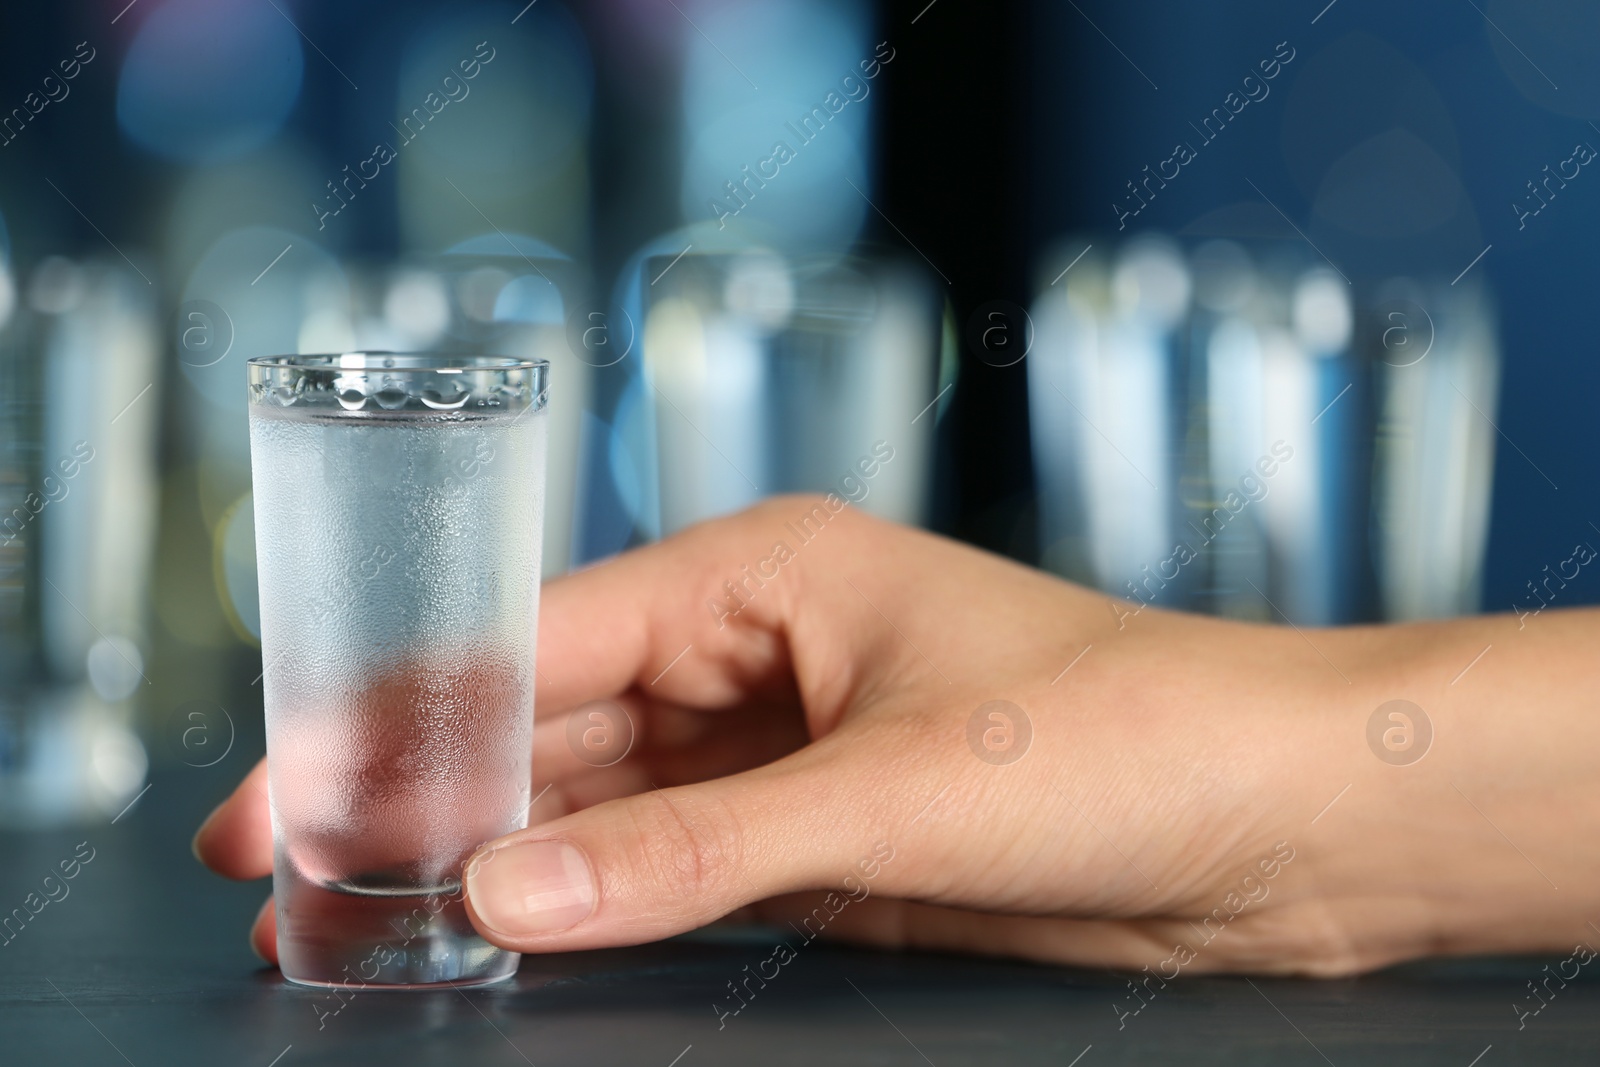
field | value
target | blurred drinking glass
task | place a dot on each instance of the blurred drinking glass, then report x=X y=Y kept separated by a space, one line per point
x=766 y=374
x=1244 y=431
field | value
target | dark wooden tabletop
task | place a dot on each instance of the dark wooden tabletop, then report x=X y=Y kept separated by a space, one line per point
x=143 y=961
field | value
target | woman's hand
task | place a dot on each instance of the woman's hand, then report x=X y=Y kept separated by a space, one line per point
x=879 y=735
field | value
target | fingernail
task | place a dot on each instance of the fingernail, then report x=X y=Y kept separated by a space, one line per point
x=538 y=887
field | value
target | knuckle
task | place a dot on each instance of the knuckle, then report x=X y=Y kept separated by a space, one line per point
x=1314 y=937
x=692 y=848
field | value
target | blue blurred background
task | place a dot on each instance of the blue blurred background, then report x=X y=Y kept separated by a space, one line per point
x=1078 y=265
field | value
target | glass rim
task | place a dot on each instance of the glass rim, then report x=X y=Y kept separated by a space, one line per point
x=423 y=362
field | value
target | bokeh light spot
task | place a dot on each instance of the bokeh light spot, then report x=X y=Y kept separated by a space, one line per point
x=205 y=80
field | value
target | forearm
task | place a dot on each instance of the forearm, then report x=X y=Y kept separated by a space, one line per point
x=1490 y=839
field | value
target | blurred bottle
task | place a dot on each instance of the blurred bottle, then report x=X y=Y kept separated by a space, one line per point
x=84 y=398
x=18 y=457
x=497 y=294
x=1226 y=367
x=520 y=296
x=1438 y=377
x=1103 y=379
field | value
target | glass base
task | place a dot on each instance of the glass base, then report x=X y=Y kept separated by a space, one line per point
x=409 y=987
x=354 y=939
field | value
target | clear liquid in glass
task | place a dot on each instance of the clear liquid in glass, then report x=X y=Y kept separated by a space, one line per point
x=399 y=571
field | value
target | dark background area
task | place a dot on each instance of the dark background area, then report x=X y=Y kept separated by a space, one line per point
x=1003 y=128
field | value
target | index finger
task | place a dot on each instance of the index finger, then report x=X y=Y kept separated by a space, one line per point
x=657 y=618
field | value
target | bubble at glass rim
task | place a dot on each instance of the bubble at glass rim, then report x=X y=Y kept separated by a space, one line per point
x=408 y=385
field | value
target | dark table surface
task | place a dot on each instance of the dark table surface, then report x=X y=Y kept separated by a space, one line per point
x=144 y=962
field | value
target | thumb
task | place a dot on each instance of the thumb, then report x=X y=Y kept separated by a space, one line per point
x=657 y=864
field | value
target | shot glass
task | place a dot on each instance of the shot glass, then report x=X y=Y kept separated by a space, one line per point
x=399 y=507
